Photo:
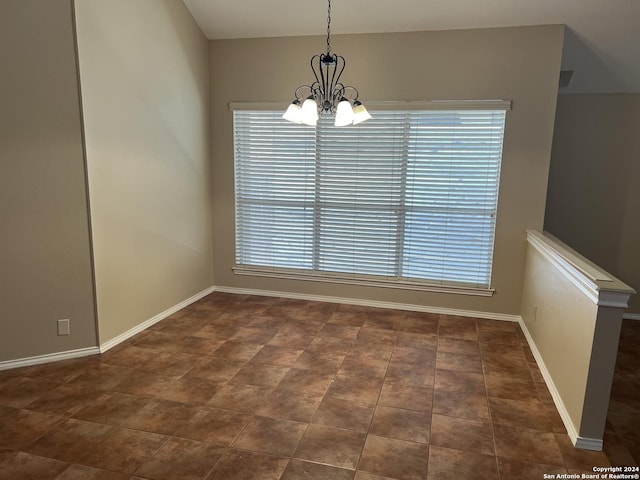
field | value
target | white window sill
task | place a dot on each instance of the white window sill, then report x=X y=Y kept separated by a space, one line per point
x=364 y=281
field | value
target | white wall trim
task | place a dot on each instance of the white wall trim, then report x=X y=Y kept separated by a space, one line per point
x=589 y=444
x=584 y=284
x=497 y=104
x=578 y=441
x=631 y=316
x=153 y=320
x=588 y=278
x=362 y=280
x=372 y=303
x=49 y=357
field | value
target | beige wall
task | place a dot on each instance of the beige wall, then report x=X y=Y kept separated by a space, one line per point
x=144 y=77
x=520 y=64
x=594 y=196
x=561 y=321
x=45 y=258
x=573 y=319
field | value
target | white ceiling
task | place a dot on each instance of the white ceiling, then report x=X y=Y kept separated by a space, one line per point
x=602 y=41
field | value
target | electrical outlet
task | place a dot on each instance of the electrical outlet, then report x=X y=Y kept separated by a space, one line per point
x=63 y=326
x=535 y=313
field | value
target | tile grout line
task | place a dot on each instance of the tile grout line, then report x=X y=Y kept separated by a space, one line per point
x=433 y=394
x=486 y=391
x=375 y=407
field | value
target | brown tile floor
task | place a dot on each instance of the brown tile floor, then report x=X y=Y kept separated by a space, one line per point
x=243 y=387
x=622 y=434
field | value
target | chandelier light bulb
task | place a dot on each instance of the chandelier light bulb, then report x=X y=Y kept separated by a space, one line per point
x=294 y=112
x=360 y=113
x=344 y=114
x=309 y=112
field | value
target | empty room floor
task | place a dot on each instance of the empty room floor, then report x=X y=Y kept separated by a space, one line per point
x=622 y=434
x=243 y=387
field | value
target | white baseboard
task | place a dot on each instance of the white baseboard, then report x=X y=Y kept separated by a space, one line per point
x=53 y=357
x=153 y=320
x=372 y=303
x=48 y=358
x=631 y=316
x=584 y=443
x=588 y=443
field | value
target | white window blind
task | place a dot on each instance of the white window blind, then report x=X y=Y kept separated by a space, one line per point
x=406 y=197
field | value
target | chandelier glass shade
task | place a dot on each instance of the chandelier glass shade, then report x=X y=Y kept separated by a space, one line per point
x=327 y=95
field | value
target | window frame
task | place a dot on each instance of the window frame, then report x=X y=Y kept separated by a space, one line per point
x=438 y=286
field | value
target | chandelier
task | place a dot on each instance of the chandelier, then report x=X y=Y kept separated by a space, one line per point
x=327 y=94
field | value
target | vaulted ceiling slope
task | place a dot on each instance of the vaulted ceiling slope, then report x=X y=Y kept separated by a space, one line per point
x=602 y=41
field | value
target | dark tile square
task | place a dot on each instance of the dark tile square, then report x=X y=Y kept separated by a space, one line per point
x=457 y=345
x=181 y=459
x=64 y=400
x=240 y=398
x=447 y=464
x=68 y=440
x=459 y=362
x=418 y=340
x=462 y=328
x=339 y=331
x=216 y=369
x=335 y=412
x=299 y=469
x=527 y=471
x=160 y=416
x=102 y=376
x=21 y=427
x=418 y=375
x=243 y=465
x=214 y=426
x=360 y=365
x=82 y=472
x=190 y=389
x=520 y=413
x=331 y=446
x=319 y=361
x=272 y=436
x=237 y=350
x=62 y=371
x=409 y=397
x=459 y=381
x=527 y=445
x=397 y=459
x=401 y=424
x=124 y=450
x=112 y=408
x=310 y=381
x=499 y=337
x=19 y=392
x=282 y=356
x=462 y=434
x=253 y=335
x=260 y=374
x=24 y=466
x=299 y=406
x=499 y=386
x=414 y=356
x=290 y=339
x=361 y=390
x=462 y=405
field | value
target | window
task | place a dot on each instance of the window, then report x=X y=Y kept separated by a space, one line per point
x=406 y=199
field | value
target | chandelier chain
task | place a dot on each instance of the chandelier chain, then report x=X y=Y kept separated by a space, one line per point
x=329 y=28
